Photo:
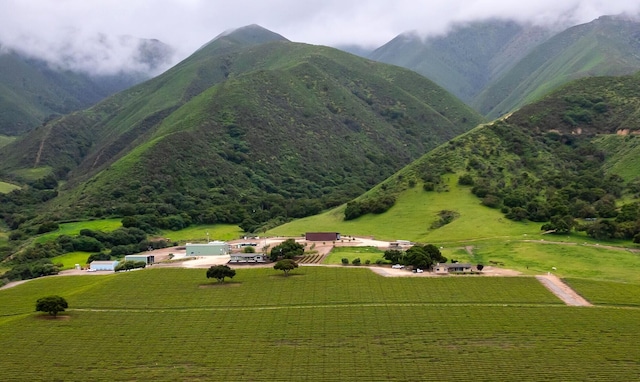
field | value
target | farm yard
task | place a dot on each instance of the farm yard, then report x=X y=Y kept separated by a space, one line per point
x=320 y=323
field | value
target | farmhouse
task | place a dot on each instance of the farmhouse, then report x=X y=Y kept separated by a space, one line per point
x=322 y=236
x=443 y=269
x=248 y=258
x=213 y=248
x=103 y=265
x=148 y=259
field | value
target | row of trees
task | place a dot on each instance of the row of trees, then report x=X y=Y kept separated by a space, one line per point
x=422 y=256
x=220 y=272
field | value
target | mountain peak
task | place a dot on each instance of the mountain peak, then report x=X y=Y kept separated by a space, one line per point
x=252 y=34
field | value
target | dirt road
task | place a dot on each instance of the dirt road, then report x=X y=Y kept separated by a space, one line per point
x=562 y=290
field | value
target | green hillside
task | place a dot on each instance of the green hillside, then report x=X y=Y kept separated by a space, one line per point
x=606 y=46
x=243 y=131
x=466 y=59
x=33 y=91
x=320 y=323
x=530 y=191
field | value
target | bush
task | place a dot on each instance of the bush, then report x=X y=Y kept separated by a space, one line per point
x=367 y=261
x=345 y=261
x=356 y=261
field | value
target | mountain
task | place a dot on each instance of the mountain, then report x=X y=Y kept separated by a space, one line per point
x=568 y=162
x=251 y=127
x=497 y=66
x=466 y=59
x=606 y=46
x=33 y=90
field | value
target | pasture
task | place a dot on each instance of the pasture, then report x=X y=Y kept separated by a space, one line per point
x=69 y=260
x=74 y=228
x=333 y=324
x=6 y=188
x=198 y=233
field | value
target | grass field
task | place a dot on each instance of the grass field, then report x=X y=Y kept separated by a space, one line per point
x=74 y=228
x=69 y=260
x=5 y=140
x=198 y=233
x=6 y=188
x=333 y=324
x=364 y=253
x=607 y=292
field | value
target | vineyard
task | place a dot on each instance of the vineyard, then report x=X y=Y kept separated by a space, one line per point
x=333 y=324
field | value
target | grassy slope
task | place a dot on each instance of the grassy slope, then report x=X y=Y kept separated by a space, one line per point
x=105 y=225
x=518 y=245
x=597 y=48
x=7 y=187
x=623 y=155
x=348 y=324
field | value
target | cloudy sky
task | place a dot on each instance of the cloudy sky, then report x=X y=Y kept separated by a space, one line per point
x=78 y=30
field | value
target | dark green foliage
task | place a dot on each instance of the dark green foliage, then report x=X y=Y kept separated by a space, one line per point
x=423 y=256
x=248 y=249
x=344 y=261
x=285 y=265
x=288 y=249
x=30 y=270
x=356 y=261
x=444 y=217
x=98 y=257
x=560 y=224
x=376 y=205
x=52 y=305
x=394 y=256
x=466 y=180
x=220 y=272
x=128 y=265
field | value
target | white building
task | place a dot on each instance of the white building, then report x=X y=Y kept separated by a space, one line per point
x=213 y=248
x=104 y=265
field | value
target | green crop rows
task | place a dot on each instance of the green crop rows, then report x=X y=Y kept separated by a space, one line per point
x=333 y=324
x=607 y=292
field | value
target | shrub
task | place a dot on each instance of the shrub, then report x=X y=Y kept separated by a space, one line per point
x=345 y=261
x=356 y=261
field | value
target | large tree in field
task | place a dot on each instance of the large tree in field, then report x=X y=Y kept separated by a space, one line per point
x=423 y=256
x=52 y=305
x=219 y=272
x=288 y=249
x=285 y=265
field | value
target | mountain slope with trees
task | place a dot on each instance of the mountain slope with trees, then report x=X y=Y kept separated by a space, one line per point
x=554 y=162
x=34 y=91
x=251 y=128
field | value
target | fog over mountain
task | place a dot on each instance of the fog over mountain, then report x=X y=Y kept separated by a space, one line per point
x=84 y=35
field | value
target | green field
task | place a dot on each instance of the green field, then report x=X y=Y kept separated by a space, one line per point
x=335 y=324
x=364 y=253
x=198 y=233
x=5 y=188
x=607 y=292
x=69 y=260
x=74 y=228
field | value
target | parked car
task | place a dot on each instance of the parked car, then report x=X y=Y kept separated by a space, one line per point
x=419 y=270
x=397 y=266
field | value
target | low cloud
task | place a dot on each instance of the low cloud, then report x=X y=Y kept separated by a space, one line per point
x=87 y=35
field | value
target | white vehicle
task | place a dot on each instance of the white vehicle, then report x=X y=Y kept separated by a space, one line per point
x=419 y=270
x=397 y=266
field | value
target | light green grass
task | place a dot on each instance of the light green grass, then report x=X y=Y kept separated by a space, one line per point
x=411 y=218
x=198 y=233
x=105 y=225
x=69 y=260
x=33 y=173
x=570 y=260
x=364 y=253
x=5 y=140
x=330 y=324
x=6 y=188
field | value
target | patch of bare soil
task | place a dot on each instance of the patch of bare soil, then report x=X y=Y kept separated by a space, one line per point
x=562 y=290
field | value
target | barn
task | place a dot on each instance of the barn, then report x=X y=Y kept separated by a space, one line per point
x=322 y=236
x=212 y=248
x=103 y=265
x=148 y=259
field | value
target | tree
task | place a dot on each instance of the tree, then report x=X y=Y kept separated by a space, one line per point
x=52 y=305
x=288 y=249
x=393 y=255
x=285 y=265
x=423 y=256
x=248 y=249
x=219 y=272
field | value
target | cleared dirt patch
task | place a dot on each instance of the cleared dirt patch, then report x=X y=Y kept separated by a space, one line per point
x=562 y=290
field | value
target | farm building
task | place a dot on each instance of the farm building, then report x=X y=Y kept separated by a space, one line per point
x=213 y=248
x=103 y=265
x=248 y=258
x=443 y=269
x=322 y=236
x=148 y=259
